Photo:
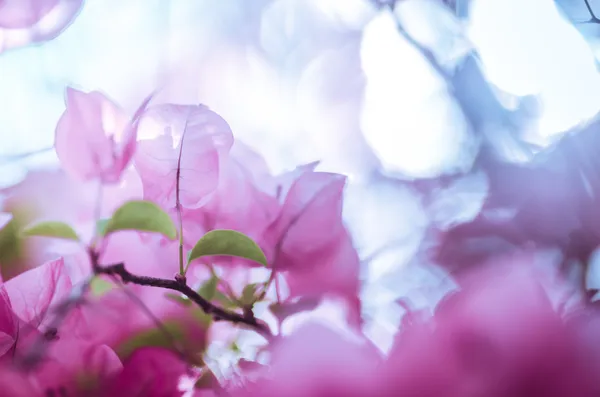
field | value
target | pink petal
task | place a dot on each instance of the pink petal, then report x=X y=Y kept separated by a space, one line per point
x=129 y=139
x=24 y=13
x=15 y=383
x=85 y=135
x=311 y=217
x=184 y=154
x=316 y=361
x=8 y=323
x=33 y=21
x=76 y=368
x=32 y=292
x=242 y=174
x=151 y=372
x=485 y=341
x=315 y=249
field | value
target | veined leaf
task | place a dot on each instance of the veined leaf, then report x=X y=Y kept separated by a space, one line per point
x=52 y=229
x=249 y=295
x=144 y=216
x=227 y=243
x=209 y=288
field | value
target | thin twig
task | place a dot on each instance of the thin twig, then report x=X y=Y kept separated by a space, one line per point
x=593 y=18
x=182 y=271
x=216 y=312
x=425 y=52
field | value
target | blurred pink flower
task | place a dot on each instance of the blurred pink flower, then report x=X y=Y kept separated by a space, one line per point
x=151 y=372
x=309 y=242
x=24 y=13
x=316 y=361
x=94 y=137
x=24 y=22
x=499 y=336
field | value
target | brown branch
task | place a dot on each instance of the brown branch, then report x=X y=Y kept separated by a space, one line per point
x=593 y=18
x=179 y=285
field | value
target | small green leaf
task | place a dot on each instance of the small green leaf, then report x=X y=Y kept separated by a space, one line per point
x=101 y=227
x=228 y=243
x=225 y=301
x=152 y=337
x=209 y=288
x=99 y=286
x=143 y=216
x=248 y=295
x=178 y=298
x=235 y=348
x=171 y=334
x=52 y=229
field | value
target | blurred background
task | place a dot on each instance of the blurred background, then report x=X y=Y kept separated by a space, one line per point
x=404 y=102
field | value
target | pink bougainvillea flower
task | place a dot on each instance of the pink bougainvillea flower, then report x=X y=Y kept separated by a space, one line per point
x=141 y=254
x=24 y=13
x=315 y=361
x=499 y=336
x=243 y=174
x=24 y=22
x=526 y=203
x=30 y=297
x=178 y=154
x=33 y=292
x=94 y=137
x=310 y=243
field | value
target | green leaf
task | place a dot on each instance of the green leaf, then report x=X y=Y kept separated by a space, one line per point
x=225 y=301
x=228 y=243
x=248 y=295
x=52 y=229
x=100 y=286
x=235 y=348
x=178 y=298
x=101 y=227
x=154 y=337
x=209 y=288
x=171 y=333
x=143 y=216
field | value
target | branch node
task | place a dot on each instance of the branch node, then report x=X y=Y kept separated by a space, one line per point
x=180 y=278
